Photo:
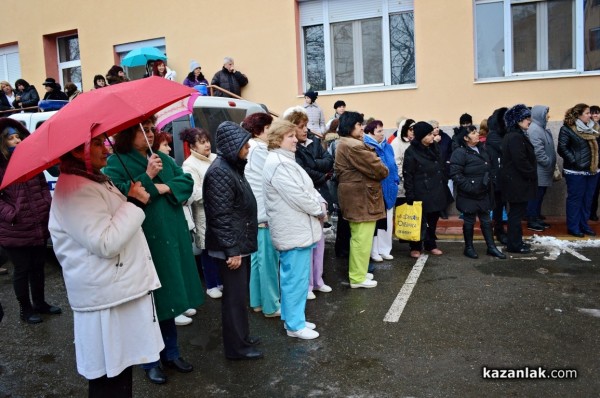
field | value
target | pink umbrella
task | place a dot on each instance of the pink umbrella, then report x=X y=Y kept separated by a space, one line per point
x=106 y=110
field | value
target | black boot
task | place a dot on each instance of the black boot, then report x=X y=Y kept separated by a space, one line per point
x=27 y=313
x=468 y=235
x=492 y=250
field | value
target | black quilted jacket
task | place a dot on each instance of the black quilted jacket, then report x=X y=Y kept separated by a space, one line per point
x=230 y=206
x=574 y=150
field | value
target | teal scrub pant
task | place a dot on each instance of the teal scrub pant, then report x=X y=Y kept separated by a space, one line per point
x=264 y=274
x=294 y=271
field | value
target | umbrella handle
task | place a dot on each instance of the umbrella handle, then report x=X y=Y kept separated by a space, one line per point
x=146 y=138
x=120 y=160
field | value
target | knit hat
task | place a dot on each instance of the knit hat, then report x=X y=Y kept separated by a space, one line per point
x=516 y=114
x=338 y=103
x=312 y=95
x=421 y=129
x=194 y=65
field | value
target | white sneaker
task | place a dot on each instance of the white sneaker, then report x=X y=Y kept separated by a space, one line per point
x=304 y=334
x=310 y=296
x=257 y=309
x=367 y=283
x=182 y=320
x=387 y=256
x=214 y=293
x=220 y=287
x=190 y=312
x=307 y=324
x=274 y=314
x=377 y=258
x=325 y=289
x=369 y=276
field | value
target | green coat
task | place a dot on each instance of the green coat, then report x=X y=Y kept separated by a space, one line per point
x=166 y=231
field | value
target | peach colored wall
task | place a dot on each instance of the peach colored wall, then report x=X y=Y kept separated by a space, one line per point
x=262 y=36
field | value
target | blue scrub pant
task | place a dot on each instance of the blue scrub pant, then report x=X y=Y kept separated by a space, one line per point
x=580 y=192
x=294 y=271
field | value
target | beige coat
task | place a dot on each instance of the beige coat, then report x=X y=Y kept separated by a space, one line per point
x=196 y=165
x=359 y=172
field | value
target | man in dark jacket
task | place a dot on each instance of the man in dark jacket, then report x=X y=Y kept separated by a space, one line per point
x=231 y=235
x=493 y=146
x=53 y=90
x=229 y=79
x=518 y=174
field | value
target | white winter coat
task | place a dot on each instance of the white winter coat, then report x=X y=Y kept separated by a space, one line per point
x=257 y=157
x=98 y=240
x=196 y=165
x=291 y=202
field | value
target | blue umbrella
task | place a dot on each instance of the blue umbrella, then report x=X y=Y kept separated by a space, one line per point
x=140 y=56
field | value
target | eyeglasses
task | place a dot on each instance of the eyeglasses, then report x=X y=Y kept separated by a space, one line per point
x=149 y=130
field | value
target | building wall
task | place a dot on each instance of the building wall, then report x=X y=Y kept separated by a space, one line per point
x=262 y=36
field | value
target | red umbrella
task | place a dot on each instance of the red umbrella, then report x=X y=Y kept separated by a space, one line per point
x=106 y=110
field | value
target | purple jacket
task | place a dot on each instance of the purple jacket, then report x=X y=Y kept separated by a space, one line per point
x=24 y=210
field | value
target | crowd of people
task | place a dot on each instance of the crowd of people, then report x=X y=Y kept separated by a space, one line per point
x=25 y=97
x=134 y=231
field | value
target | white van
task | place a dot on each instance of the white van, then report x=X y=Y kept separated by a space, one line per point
x=208 y=113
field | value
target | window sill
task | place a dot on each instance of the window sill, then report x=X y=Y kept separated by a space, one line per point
x=536 y=76
x=365 y=89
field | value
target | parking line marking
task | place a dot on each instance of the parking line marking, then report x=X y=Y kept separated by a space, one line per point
x=575 y=254
x=393 y=314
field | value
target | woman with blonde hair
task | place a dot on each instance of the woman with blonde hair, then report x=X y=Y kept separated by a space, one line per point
x=295 y=210
x=578 y=146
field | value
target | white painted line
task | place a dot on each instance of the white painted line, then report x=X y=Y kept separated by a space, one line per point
x=393 y=314
x=576 y=254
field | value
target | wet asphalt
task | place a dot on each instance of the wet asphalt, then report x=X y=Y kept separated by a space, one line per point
x=462 y=315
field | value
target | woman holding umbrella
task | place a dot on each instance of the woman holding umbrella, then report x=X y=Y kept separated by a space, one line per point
x=166 y=230
x=24 y=232
x=108 y=270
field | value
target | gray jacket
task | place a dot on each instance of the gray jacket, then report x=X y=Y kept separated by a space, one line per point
x=543 y=145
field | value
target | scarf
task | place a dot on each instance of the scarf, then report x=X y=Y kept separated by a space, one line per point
x=585 y=128
x=77 y=167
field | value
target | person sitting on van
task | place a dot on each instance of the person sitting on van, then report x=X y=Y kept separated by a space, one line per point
x=7 y=97
x=53 y=90
x=71 y=90
x=116 y=75
x=196 y=78
x=229 y=79
x=26 y=96
x=99 y=82
x=161 y=69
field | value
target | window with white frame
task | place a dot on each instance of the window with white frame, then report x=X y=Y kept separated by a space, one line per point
x=69 y=62
x=10 y=64
x=357 y=43
x=521 y=37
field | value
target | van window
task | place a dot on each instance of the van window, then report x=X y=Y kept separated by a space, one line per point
x=37 y=126
x=210 y=118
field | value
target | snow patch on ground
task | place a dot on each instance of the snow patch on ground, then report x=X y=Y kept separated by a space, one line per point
x=556 y=246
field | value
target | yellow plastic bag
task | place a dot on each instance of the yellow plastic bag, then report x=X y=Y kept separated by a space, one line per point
x=408 y=221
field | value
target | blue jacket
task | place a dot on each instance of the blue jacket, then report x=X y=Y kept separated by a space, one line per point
x=389 y=185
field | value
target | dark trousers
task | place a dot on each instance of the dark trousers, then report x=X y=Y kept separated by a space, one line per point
x=342 y=236
x=470 y=219
x=168 y=330
x=29 y=273
x=497 y=214
x=516 y=212
x=234 y=308
x=120 y=386
x=534 y=206
x=429 y=223
x=210 y=270
x=580 y=191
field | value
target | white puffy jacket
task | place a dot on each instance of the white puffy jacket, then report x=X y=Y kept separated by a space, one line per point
x=99 y=242
x=254 y=174
x=291 y=202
